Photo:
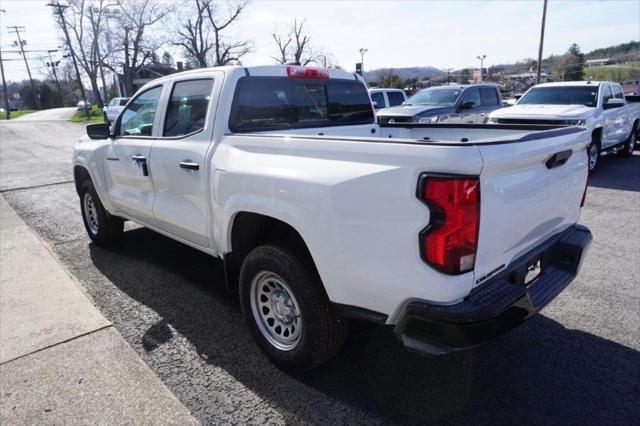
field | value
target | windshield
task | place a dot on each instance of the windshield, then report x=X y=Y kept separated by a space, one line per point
x=577 y=95
x=444 y=97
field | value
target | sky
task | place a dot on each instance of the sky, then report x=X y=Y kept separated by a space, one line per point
x=443 y=34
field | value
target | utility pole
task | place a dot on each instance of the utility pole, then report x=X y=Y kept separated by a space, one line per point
x=448 y=70
x=7 y=110
x=55 y=75
x=544 y=18
x=362 y=52
x=108 y=14
x=16 y=31
x=482 y=58
x=59 y=11
x=98 y=63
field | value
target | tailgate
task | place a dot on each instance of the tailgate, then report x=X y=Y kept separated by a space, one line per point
x=526 y=195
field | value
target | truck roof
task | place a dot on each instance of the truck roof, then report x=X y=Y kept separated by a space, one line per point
x=262 y=71
x=574 y=83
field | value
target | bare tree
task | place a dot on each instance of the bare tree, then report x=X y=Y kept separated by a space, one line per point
x=193 y=35
x=295 y=46
x=203 y=33
x=135 y=45
x=84 y=21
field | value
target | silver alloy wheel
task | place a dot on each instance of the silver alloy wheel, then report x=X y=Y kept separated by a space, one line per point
x=593 y=156
x=275 y=310
x=90 y=213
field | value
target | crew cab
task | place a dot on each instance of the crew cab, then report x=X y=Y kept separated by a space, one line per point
x=597 y=106
x=469 y=104
x=452 y=234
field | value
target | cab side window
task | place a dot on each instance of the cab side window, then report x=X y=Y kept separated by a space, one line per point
x=606 y=95
x=472 y=95
x=378 y=98
x=187 y=109
x=395 y=98
x=137 y=118
x=489 y=96
x=617 y=92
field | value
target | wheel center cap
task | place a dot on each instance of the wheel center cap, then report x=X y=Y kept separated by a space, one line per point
x=280 y=306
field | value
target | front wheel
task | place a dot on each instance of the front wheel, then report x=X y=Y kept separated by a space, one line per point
x=102 y=227
x=594 y=155
x=287 y=310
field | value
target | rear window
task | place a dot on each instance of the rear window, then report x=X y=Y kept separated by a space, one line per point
x=277 y=103
x=489 y=96
x=395 y=98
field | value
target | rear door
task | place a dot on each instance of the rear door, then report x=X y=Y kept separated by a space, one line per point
x=178 y=158
x=129 y=184
x=526 y=196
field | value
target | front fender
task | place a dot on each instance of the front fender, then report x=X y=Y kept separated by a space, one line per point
x=90 y=156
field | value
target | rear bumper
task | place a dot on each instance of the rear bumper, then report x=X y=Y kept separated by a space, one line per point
x=498 y=305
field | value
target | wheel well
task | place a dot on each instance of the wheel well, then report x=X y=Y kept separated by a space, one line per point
x=596 y=136
x=251 y=230
x=80 y=174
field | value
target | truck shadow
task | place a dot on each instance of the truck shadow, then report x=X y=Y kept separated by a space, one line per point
x=617 y=173
x=540 y=373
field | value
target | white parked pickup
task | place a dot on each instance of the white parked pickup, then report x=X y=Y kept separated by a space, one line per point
x=450 y=233
x=598 y=106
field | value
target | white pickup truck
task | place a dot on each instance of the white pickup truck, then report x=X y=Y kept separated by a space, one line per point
x=598 y=106
x=453 y=234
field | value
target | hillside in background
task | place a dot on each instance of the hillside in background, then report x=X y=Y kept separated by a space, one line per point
x=629 y=50
x=417 y=73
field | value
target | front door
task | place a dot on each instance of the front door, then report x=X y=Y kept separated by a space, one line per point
x=129 y=185
x=178 y=159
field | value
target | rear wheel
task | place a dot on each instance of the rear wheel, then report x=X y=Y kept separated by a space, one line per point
x=102 y=227
x=287 y=310
x=594 y=155
x=630 y=144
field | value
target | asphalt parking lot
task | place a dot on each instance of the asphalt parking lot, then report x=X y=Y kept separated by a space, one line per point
x=577 y=362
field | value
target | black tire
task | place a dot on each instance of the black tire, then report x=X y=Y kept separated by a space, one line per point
x=322 y=330
x=107 y=228
x=630 y=144
x=593 y=155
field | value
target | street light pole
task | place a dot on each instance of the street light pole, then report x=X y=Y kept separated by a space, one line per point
x=544 y=18
x=482 y=58
x=362 y=52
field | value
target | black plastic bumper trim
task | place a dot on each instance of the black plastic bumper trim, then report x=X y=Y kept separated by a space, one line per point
x=500 y=304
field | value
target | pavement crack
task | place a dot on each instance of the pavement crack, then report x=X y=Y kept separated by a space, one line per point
x=56 y=344
x=20 y=188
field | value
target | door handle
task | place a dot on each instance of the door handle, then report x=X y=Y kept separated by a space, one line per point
x=558 y=159
x=189 y=165
x=142 y=161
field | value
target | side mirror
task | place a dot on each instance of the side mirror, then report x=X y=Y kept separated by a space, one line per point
x=613 y=103
x=99 y=131
x=375 y=105
x=467 y=105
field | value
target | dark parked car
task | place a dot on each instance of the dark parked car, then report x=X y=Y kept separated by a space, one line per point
x=446 y=104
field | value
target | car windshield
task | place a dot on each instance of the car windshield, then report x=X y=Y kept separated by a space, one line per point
x=444 y=97
x=577 y=95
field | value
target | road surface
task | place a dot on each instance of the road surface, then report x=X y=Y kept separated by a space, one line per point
x=54 y=114
x=577 y=362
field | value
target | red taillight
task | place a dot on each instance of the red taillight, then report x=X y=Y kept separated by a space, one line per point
x=308 y=72
x=450 y=241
